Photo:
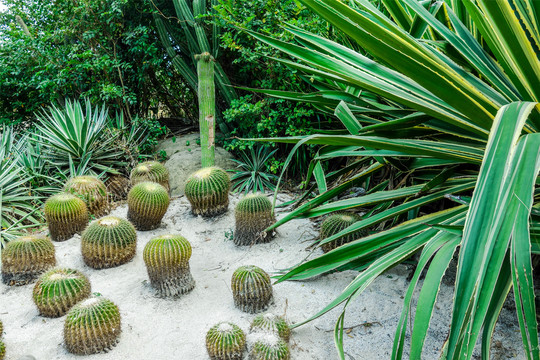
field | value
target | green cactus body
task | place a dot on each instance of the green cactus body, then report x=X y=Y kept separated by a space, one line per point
x=2 y=350
x=251 y=287
x=25 y=258
x=92 y=326
x=118 y=187
x=270 y=347
x=92 y=191
x=208 y=191
x=225 y=341
x=147 y=204
x=152 y=171
x=273 y=324
x=58 y=290
x=108 y=242
x=334 y=224
x=167 y=261
x=253 y=214
x=1 y=328
x=66 y=216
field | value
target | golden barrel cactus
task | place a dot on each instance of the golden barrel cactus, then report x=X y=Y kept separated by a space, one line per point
x=92 y=191
x=253 y=214
x=147 y=204
x=252 y=289
x=152 y=171
x=271 y=324
x=208 y=191
x=225 y=341
x=335 y=223
x=66 y=216
x=270 y=347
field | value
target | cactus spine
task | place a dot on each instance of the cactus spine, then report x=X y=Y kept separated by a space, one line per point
x=270 y=347
x=208 y=191
x=253 y=215
x=273 y=324
x=25 y=258
x=251 y=287
x=167 y=261
x=152 y=171
x=225 y=341
x=58 y=290
x=108 y=242
x=118 y=187
x=147 y=204
x=66 y=215
x=334 y=224
x=92 y=191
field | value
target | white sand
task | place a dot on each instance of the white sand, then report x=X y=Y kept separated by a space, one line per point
x=156 y=328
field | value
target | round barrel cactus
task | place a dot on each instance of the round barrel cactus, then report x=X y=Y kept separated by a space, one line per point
x=225 y=341
x=152 y=171
x=66 y=216
x=1 y=328
x=2 y=350
x=92 y=191
x=251 y=287
x=147 y=204
x=167 y=261
x=92 y=326
x=208 y=191
x=25 y=258
x=108 y=242
x=334 y=224
x=273 y=324
x=253 y=214
x=118 y=187
x=58 y=290
x=270 y=347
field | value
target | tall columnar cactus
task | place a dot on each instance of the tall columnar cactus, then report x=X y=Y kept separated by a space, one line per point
x=207 y=106
x=66 y=215
x=225 y=341
x=253 y=214
x=92 y=191
x=270 y=347
x=167 y=261
x=58 y=290
x=334 y=224
x=118 y=187
x=25 y=258
x=147 y=204
x=251 y=287
x=152 y=171
x=273 y=324
x=92 y=326
x=208 y=191
x=108 y=242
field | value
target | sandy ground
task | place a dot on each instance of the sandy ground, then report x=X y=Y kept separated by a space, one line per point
x=156 y=328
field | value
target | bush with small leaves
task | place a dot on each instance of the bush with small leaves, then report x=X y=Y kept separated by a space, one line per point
x=273 y=324
x=118 y=187
x=25 y=258
x=58 y=290
x=92 y=191
x=225 y=341
x=208 y=191
x=251 y=287
x=334 y=224
x=269 y=347
x=66 y=215
x=92 y=326
x=167 y=261
x=152 y=171
x=253 y=214
x=147 y=204
x=108 y=242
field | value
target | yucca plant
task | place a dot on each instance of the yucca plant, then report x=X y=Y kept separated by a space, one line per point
x=251 y=173
x=447 y=103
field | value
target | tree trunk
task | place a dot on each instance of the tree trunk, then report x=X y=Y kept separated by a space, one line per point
x=207 y=107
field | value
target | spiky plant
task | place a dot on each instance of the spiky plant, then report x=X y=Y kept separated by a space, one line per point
x=251 y=287
x=147 y=203
x=25 y=258
x=270 y=347
x=152 y=171
x=253 y=214
x=118 y=187
x=2 y=350
x=58 y=290
x=336 y=223
x=167 y=261
x=208 y=191
x=66 y=215
x=225 y=341
x=271 y=323
x=92 y=326
x=1 y=328
x=108 y=242
x=92 y=191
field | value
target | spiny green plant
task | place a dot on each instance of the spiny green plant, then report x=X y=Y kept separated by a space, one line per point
x=336 y=223
x=108 y=242
x=152 y=171
x=92 y=191
x=225 y=341
x=147 y=203
x=167 y=261
x=270 y=347
x=25 y=258
x=92 y=326
x=58 y=290
x=66 y=215
x=271 y=323
x=208 y=191
x=118 y=187
x=2 y=350
x=253 y=215
x=251 y=288
x=1 y=328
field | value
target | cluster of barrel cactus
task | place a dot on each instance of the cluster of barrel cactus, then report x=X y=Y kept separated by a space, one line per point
x=92 y=191
x=225 y=341
x=151 y=171
x=208 y=191
x=66 y=216
x=271 y=334
x=147 y=204
x=336 y=223
x=253 y=215
x=251 y=288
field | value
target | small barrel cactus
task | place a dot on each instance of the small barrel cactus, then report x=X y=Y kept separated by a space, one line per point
x=58 y=290
x=167 y=261
x=270 y=347
x=152 y=171
x=2 y=350
x=334 y=224
x=208 y=191
x=108 y=242
x=1 y=328
x=25 y=258
x=251 y=287
x=92 y=191
x=253 y=214
x=147 y=204
x=273 y=324
x=225 y=341
x=118 y=187
x=66 y=215
x=92 y=326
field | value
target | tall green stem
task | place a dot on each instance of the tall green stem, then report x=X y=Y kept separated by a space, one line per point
x=207 y=107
